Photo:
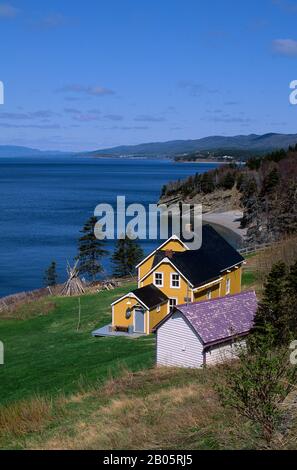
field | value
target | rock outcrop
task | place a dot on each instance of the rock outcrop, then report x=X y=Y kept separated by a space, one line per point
x=218 y=201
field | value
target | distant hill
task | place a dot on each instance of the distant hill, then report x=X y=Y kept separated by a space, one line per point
x=241 y=145
x=251 y=143
x=16 y=151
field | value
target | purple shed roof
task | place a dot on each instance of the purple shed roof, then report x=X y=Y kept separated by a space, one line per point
x=219 y=319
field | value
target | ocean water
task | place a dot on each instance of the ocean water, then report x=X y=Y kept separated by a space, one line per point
x=45 y=202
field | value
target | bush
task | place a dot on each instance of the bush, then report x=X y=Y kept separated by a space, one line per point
x=260 y=383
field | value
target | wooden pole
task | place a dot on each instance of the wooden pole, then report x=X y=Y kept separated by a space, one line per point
x=79 y=314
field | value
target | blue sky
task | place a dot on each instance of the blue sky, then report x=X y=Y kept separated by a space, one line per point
x=81 y=75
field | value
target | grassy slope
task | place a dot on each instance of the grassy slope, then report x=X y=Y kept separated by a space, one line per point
x=46 y=355
x=151 y=409
x=249 y=279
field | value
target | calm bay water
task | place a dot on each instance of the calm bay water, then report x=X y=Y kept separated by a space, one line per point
x=45 y=202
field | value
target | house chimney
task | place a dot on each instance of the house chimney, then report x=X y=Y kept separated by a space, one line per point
x=169 y=254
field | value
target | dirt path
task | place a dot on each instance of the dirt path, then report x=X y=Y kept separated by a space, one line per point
x=229 y=219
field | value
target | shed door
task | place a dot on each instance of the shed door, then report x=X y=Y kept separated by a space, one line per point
x=139 y=320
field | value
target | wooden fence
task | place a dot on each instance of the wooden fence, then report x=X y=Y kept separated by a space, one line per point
x=254 y=248
x=9 y=302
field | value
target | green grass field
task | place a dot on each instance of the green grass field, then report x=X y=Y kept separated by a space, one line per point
x=46 y=355
x=249 y=278
x=63 y=389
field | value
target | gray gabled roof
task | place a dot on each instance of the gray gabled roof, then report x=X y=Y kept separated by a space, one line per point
x=206 y=264
x=150 y=296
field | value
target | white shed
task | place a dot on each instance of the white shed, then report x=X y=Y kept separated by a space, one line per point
x=205 y=333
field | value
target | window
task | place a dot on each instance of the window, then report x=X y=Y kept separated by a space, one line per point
x=208 y=295
x=175 y=281
x=172 y=304
x=228 y=286
x=158 y=279
x=159 y=308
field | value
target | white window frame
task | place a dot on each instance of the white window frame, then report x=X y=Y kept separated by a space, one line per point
x=172 y=281
x=159 y=308
x=155 y=282
x=176 y=302
x=209 y=294
x=228 y=286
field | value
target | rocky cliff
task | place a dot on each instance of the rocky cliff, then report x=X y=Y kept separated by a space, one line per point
x=265 y=189
x=218 y=201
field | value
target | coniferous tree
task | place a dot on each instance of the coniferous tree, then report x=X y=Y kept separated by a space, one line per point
x=270 y=309
x=50 y=276
x=278 y=306
x=289 y=302
x=207 y=183
x=135 y=254
x=228 y=181
x=127 y=255
x=249 y=188
x=90 y=251
x=240 y=181
x=292 y=279
x=271 y=181
x=274 y=286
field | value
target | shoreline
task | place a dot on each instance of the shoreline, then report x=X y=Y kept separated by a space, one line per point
x=217 y=162
x=229 y=220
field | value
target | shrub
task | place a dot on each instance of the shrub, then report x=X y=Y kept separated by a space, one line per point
x=260 y=383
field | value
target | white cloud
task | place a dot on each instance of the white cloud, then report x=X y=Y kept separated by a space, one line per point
x=88 y=90
x=40 y=114
x=8 y=11
x=114 y=117
x=195 y=89
x=51 y=21
x=287 y=47
x=149 y=118
x=290 y=7
x=72 y=111
x=87 y=117
x=29 y=126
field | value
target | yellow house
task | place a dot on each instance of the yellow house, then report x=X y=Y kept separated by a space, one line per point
x=174 y=275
